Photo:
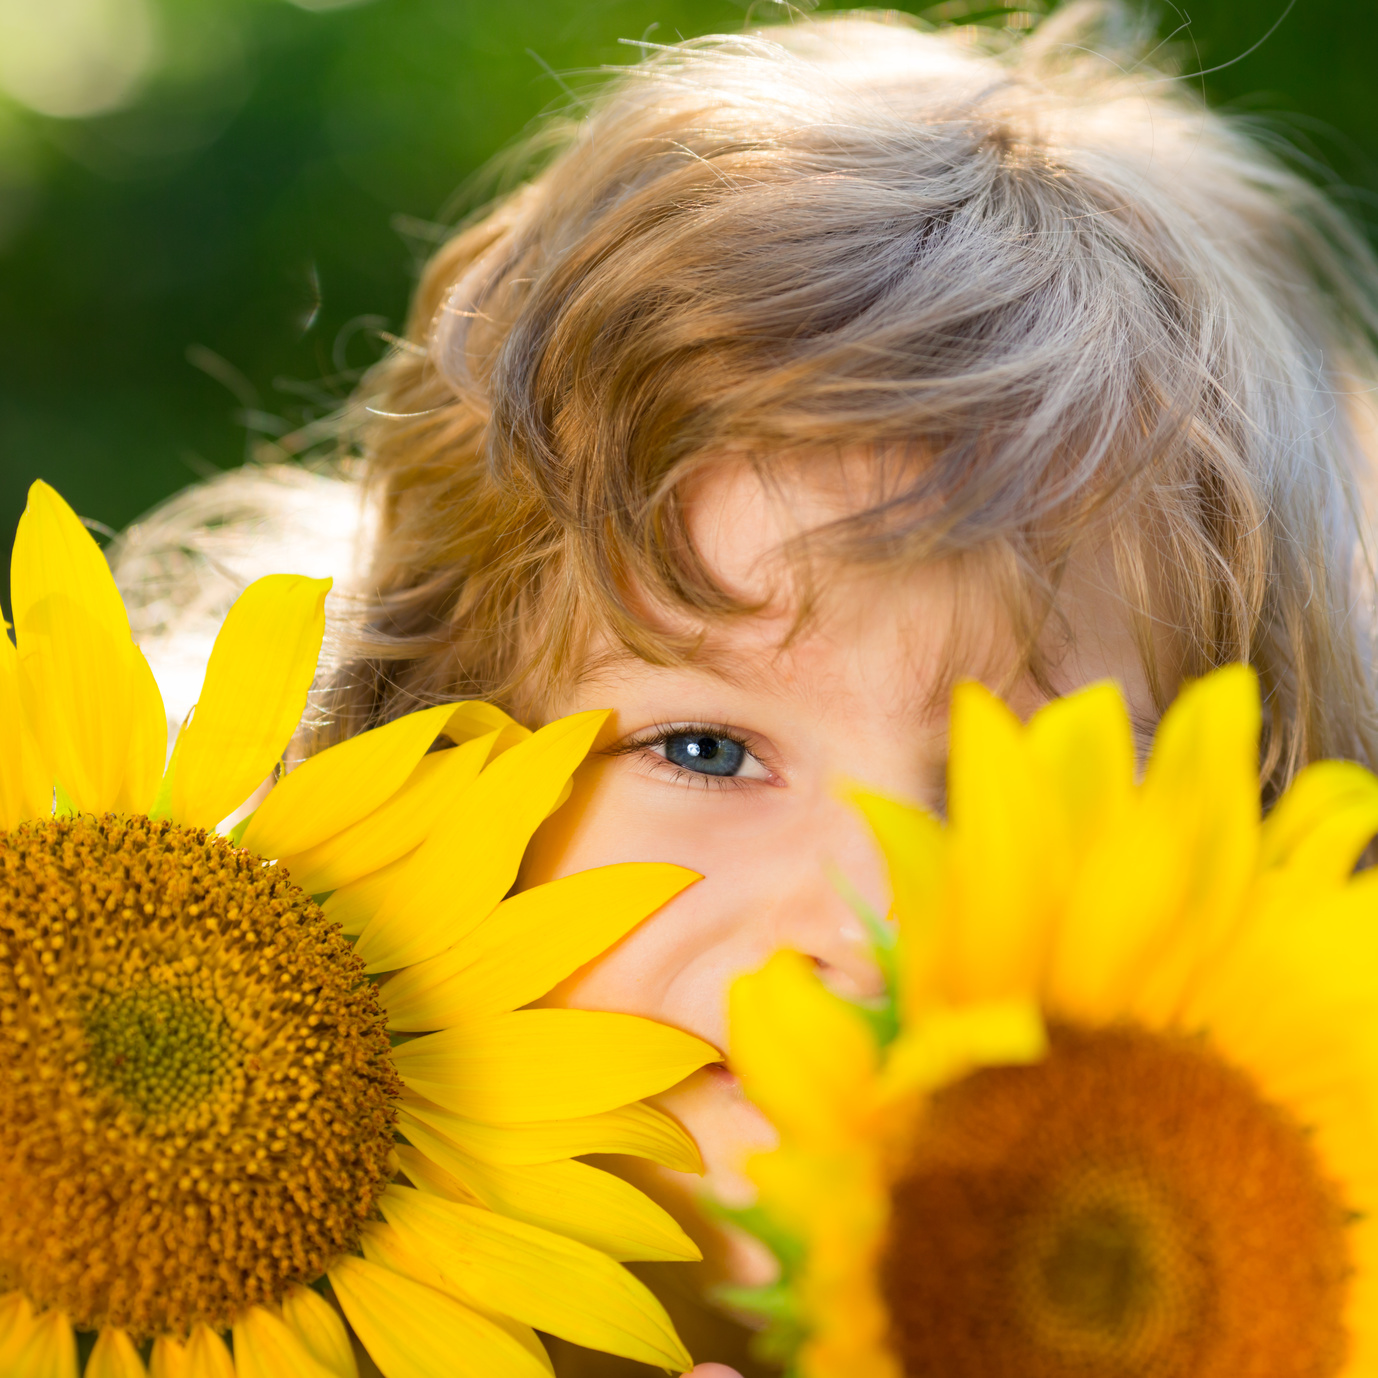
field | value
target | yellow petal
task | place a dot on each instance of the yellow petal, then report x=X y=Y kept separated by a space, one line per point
x=468 y=864
x=413 y=1331
x=50 y=1350
x=1201 y=793
x=1212 y=724
x=1324 y=821
x=425 y=1174
x=1298 y=990
x=320 y=1329
x=553 y=1284
x=16 y=1326
x=1124 y=897
x=384 y=1246
x=75 y=694
x=265 y=1346
x=55 y=553
x=353 y=906
x=207 y=1356
x=147 y=739
x=1084 y=745
x=26 y=790
x=637 y=1130
x=914 y=846
x=1202 y=778
x=335 y=789
x=911 y=840
x=85 y=689
x=797 y=1186
x=998 y=841
x=168 y=1359
x=474 y=718
x=1155 y=895
x=570 y=1198
x=392 y=830
x=529 y=944
x=548 y=1064
x=804 y=1056
x=259 y=672
x=948 y=1043
x=528 y=1339
x=114 y=1356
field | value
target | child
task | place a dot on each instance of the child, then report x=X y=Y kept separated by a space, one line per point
x=814 y=369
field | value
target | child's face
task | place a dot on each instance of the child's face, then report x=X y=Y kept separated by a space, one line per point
x=731 y=768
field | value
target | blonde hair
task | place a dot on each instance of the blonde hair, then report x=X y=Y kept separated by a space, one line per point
x=1083 y=301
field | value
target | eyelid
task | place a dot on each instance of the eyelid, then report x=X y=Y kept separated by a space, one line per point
x=657 y=733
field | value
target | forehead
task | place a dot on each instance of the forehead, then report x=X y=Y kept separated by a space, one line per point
x=817 y=628
x=887 y=639
x=742 y=515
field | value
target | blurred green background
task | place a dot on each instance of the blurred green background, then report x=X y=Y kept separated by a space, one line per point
x=210 y=208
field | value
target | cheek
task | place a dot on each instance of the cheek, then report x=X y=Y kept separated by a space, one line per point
x=616 y=815
x=675 y=968
x=677 y=965
x=769 y=859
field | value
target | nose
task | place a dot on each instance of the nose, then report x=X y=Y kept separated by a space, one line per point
x=821 y=907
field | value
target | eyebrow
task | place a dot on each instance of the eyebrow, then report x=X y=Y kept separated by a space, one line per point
x=730 y=666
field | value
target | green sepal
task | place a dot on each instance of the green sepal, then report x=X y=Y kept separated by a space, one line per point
x=776 y=1308
x=882 y=1013
x=773 y=1301
x=790 y=1251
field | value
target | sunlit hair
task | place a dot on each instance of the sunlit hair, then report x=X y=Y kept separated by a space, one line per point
x=1087 y=309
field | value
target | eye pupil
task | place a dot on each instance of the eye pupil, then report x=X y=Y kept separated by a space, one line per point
x=705 y=754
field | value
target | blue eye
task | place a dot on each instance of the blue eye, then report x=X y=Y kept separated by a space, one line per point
x=704 y=753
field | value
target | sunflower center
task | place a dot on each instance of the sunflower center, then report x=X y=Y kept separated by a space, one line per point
x=162 y=1052
x=1095 y=1271
x=1131 y=1207
x=196 y=1092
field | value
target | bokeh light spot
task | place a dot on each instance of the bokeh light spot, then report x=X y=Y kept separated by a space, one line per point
x=72 y=58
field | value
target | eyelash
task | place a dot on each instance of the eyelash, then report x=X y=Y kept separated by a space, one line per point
x=661 y=732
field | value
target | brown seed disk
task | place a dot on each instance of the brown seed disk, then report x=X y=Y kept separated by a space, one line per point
x=1128 y=1208
x=196 y=1095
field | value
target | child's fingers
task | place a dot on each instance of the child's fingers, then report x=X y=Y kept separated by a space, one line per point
x=713 y=1371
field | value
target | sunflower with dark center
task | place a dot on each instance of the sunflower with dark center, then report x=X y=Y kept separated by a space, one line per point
x=237 y=1124
x=1119 y=1115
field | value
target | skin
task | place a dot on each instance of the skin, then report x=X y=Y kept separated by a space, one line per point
x=857 y=696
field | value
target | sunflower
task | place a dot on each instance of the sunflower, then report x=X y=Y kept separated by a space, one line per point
x=1119 y=1118
x=227 y=1108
